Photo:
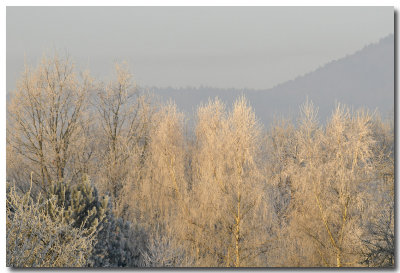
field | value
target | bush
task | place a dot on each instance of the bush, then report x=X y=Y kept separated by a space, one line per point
x=35 y=240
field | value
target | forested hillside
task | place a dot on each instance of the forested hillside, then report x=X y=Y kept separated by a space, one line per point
x=102 y=174
x=364 y=78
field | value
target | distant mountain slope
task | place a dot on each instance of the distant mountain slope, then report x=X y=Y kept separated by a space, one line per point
x=365 y=78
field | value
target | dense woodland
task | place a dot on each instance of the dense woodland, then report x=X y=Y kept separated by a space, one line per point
x=104 y=174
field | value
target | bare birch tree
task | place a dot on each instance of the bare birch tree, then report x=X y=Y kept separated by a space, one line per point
x=123 y=116
x=232 y=220
x=46 y=115
x=159 y=202
x=332 y=170
x=379 y=224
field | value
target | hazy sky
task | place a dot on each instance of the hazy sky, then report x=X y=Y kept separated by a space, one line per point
x=254 y=47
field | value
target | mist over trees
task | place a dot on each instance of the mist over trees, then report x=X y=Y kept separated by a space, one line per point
x=355 y=80
x=104 y=174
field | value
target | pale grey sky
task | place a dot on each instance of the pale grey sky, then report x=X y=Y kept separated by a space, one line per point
x=241 y=47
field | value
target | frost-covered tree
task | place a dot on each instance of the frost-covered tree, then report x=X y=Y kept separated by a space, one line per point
x=230 y=226
x=281 y=152
x=82 y=206
x=116 y=243
x=330 y=176
x=45 y=119
x=162 y=251
x=159 y=202
x=123 y=115
x=379 y=230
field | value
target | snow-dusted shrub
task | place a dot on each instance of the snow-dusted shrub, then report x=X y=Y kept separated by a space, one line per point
x=35 y=240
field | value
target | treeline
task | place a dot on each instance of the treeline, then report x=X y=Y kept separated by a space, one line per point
x=102 y=174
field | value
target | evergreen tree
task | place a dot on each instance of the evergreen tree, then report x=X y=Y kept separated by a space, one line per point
x=117 y=243
x=83 y=208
